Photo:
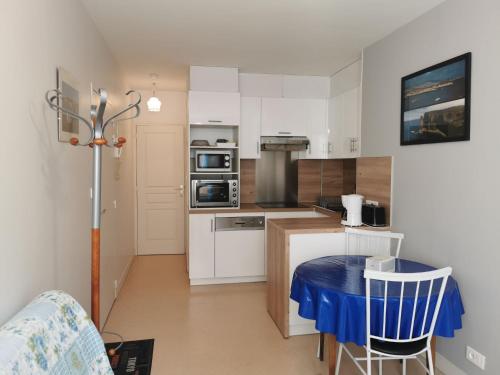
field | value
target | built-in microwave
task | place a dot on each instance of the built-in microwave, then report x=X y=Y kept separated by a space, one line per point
x=213 y=161
x=214 y=193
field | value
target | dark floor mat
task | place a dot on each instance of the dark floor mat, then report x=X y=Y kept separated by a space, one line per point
x=133 y=357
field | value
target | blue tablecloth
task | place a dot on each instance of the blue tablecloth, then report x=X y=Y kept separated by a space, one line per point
x=331 y=291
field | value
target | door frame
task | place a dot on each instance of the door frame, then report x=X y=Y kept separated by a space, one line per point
x=136 y=195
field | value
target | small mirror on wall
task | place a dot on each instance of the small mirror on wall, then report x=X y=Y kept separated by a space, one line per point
x=435 y=103
x=69 y=99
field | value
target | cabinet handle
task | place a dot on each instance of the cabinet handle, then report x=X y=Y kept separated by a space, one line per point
x=258 y=148
x=330 y=147
x=211 y=225
x=284 y=132
x=216 y=121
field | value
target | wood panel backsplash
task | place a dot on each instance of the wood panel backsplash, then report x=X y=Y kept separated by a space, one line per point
x=374 y=179
x=309 y=180
x=325 y=178
x=248 y=188
x=333 y=177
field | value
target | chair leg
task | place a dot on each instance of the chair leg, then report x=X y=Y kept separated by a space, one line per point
x=404 y=366
x=380 y=367
x=321 y=347
x=430 y=361
x=339 y=358
x=368 y=363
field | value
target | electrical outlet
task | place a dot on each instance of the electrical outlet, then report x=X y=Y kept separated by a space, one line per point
x=373 y=203
x=475 y=357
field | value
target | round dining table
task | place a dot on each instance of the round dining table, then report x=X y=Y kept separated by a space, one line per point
x=331 y=291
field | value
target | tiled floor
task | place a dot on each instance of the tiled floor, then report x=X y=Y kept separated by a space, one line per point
x=211 y=330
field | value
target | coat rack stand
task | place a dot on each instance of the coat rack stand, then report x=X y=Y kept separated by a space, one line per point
x=96 y=126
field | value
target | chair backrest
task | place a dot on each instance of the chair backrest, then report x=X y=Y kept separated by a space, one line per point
x=371 y=242
x=412 y=300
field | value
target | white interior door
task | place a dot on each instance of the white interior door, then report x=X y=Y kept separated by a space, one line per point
x=160 y=190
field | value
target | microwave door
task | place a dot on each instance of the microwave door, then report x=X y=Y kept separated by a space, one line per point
x=210 y=161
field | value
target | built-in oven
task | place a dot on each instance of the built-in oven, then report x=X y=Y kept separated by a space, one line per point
x=213 y=161
x=214 y=193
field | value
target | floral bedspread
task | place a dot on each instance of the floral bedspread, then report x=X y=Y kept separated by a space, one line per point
x=52 y=335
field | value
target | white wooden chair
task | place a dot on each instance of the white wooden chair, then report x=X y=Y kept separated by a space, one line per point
x=419 y=340
x=367 y=242
x=372 y=242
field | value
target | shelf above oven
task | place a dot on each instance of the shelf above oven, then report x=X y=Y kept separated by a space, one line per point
x=235 y=173
x=213 y=148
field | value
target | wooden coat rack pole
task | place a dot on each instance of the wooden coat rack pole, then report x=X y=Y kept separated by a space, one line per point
x=96 y=141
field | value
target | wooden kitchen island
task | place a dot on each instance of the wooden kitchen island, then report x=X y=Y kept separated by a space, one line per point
x=289 y=243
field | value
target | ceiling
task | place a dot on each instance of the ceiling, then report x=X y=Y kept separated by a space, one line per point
x=304 y=37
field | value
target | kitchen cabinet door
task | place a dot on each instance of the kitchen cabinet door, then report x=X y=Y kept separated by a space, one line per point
x=201 y=246
x=317 y=130
x=250 y=128
x=284 y=117
x=344 y=120
x=214 y=108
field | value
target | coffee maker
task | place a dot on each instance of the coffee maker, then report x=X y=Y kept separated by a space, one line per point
x=352 y=214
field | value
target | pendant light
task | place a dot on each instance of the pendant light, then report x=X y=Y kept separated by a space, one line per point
x=154 y=104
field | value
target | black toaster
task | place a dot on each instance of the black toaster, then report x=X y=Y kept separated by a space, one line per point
x=373 y=216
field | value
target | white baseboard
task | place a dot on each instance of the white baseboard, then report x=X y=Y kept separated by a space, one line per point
x=227 y=280
x=124 y=274
x=446 y=367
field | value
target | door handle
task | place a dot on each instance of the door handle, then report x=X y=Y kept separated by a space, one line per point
x=284 y=132
x=180 y=189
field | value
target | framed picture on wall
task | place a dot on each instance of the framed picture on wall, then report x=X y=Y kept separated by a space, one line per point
x=69 y=98
x=435 y=103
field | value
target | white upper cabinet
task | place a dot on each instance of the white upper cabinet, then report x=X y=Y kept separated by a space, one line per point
x=263 y=85
x=204 y=78
x=214 y=108
x=284 y=117
x=251 y=109
x=317 y=129
x=344 y=113
x=306 y=87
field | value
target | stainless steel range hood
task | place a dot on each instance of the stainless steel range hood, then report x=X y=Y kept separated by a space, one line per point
x=284 y=143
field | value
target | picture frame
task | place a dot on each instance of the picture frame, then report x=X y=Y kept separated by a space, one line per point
x=435 y=103
x=69 y=98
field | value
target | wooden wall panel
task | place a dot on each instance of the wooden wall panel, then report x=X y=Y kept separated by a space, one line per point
x=332 y=184
x=248 y=187
x=349 y=176
x=309 y=184
x=373 y=181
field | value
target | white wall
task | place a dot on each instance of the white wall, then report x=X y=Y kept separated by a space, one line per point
x=446 y=195
x=45 y=211
x=173 y=109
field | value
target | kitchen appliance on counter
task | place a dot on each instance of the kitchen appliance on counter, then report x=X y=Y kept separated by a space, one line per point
x=333 y=203
x=352 y=204
x=213 y=161
x=373 y=215
x=214 y=193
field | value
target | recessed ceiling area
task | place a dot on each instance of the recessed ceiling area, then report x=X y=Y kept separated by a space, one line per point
x=260 y=36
